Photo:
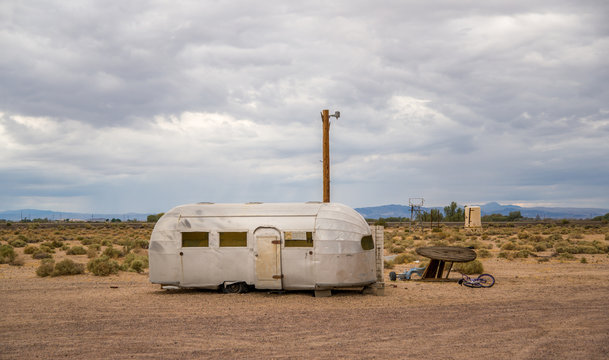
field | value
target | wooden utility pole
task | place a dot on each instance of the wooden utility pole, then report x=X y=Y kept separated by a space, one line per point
x=325 y=118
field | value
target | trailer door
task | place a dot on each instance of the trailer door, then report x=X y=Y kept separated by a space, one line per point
x=268 y=258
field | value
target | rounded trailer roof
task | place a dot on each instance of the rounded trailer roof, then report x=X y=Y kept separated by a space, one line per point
x=328 y=215
x=248 y=209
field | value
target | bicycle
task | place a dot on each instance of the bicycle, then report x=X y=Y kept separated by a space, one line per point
x=482 y=281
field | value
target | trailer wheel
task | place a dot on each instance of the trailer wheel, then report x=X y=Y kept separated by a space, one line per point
x=392 y=276
x=235 y=288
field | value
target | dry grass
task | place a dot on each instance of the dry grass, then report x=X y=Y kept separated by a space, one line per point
x=537 y=303
x=32 y=243
x=555 y=242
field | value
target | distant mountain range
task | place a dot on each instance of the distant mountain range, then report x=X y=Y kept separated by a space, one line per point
x=386 y=211
x=373 y=212
x=30 y=214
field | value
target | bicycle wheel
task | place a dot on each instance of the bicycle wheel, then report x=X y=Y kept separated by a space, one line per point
x=486 y=280
x=471 y=284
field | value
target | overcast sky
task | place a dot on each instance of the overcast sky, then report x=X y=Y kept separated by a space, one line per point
x=144 y=105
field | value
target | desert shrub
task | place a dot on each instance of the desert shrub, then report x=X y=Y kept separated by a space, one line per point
x=141 y=243
x=88 y=241
x=57 y=244
x=544 y=259
x=387 y=243
x=555 y=237
x=509 y=255
x=403 y=258
x=607 y=237
x=112 y=252
x=138 y=266
x=578 y=249
x=102 y=266
x=483 y=253
x=46 y=249
x=576 y=235
x=41 y=255
x=396 y=249
x=471 y=267
x=522 y=254
x=106 y=243
x=587 y=249
x=65 y=247
x=23 y=237
x=508 y=246
x=48 y=244
x=96 y=247
x=566 y=256
x=388 y=264
x=46 y=268
x=30 y=249
x=68 y=267
x=76 y=250
x=603 y=248
x=485 y=237
x=540 y=247
x=137 y=263
x=7 y=254
x=523 y=235
x=91 y=252
x=18 y=243
x=126 y=243
x=583 y=260
x=456 y=238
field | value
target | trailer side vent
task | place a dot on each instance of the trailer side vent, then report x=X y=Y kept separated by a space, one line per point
x=367 y=242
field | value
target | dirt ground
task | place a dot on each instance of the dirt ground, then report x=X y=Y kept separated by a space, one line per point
x=535 y=310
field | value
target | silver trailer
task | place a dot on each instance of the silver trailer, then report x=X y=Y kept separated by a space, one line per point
x=284 y=246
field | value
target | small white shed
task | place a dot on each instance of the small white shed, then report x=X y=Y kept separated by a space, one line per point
x=472 y=217
x=315 y=246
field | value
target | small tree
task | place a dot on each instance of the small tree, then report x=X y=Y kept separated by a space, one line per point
x=154 y=218
x=514 y=215
x=453 y=212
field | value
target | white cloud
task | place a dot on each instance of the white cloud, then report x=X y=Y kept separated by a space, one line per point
x=108 y=103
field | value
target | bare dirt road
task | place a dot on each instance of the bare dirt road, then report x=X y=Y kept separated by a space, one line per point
x=535 y=311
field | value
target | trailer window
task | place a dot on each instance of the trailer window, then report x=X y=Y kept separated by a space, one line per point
x=232 y=239
x=298 y=238
x=195 y=239
x=367 y=243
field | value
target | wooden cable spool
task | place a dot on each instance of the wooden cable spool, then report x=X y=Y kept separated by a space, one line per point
x=447 y=253
x=439 y=255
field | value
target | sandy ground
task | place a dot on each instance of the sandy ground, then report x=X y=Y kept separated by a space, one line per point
x=535 y=311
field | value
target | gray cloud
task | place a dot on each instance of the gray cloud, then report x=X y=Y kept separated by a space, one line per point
x=144 y=105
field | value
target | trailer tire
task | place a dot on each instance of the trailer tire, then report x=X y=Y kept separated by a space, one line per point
x=235 y=288
x=392 y=276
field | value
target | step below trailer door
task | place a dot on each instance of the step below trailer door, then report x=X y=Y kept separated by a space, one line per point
x=268 y=258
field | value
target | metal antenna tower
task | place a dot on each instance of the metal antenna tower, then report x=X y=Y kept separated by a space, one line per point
x=415 y=212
